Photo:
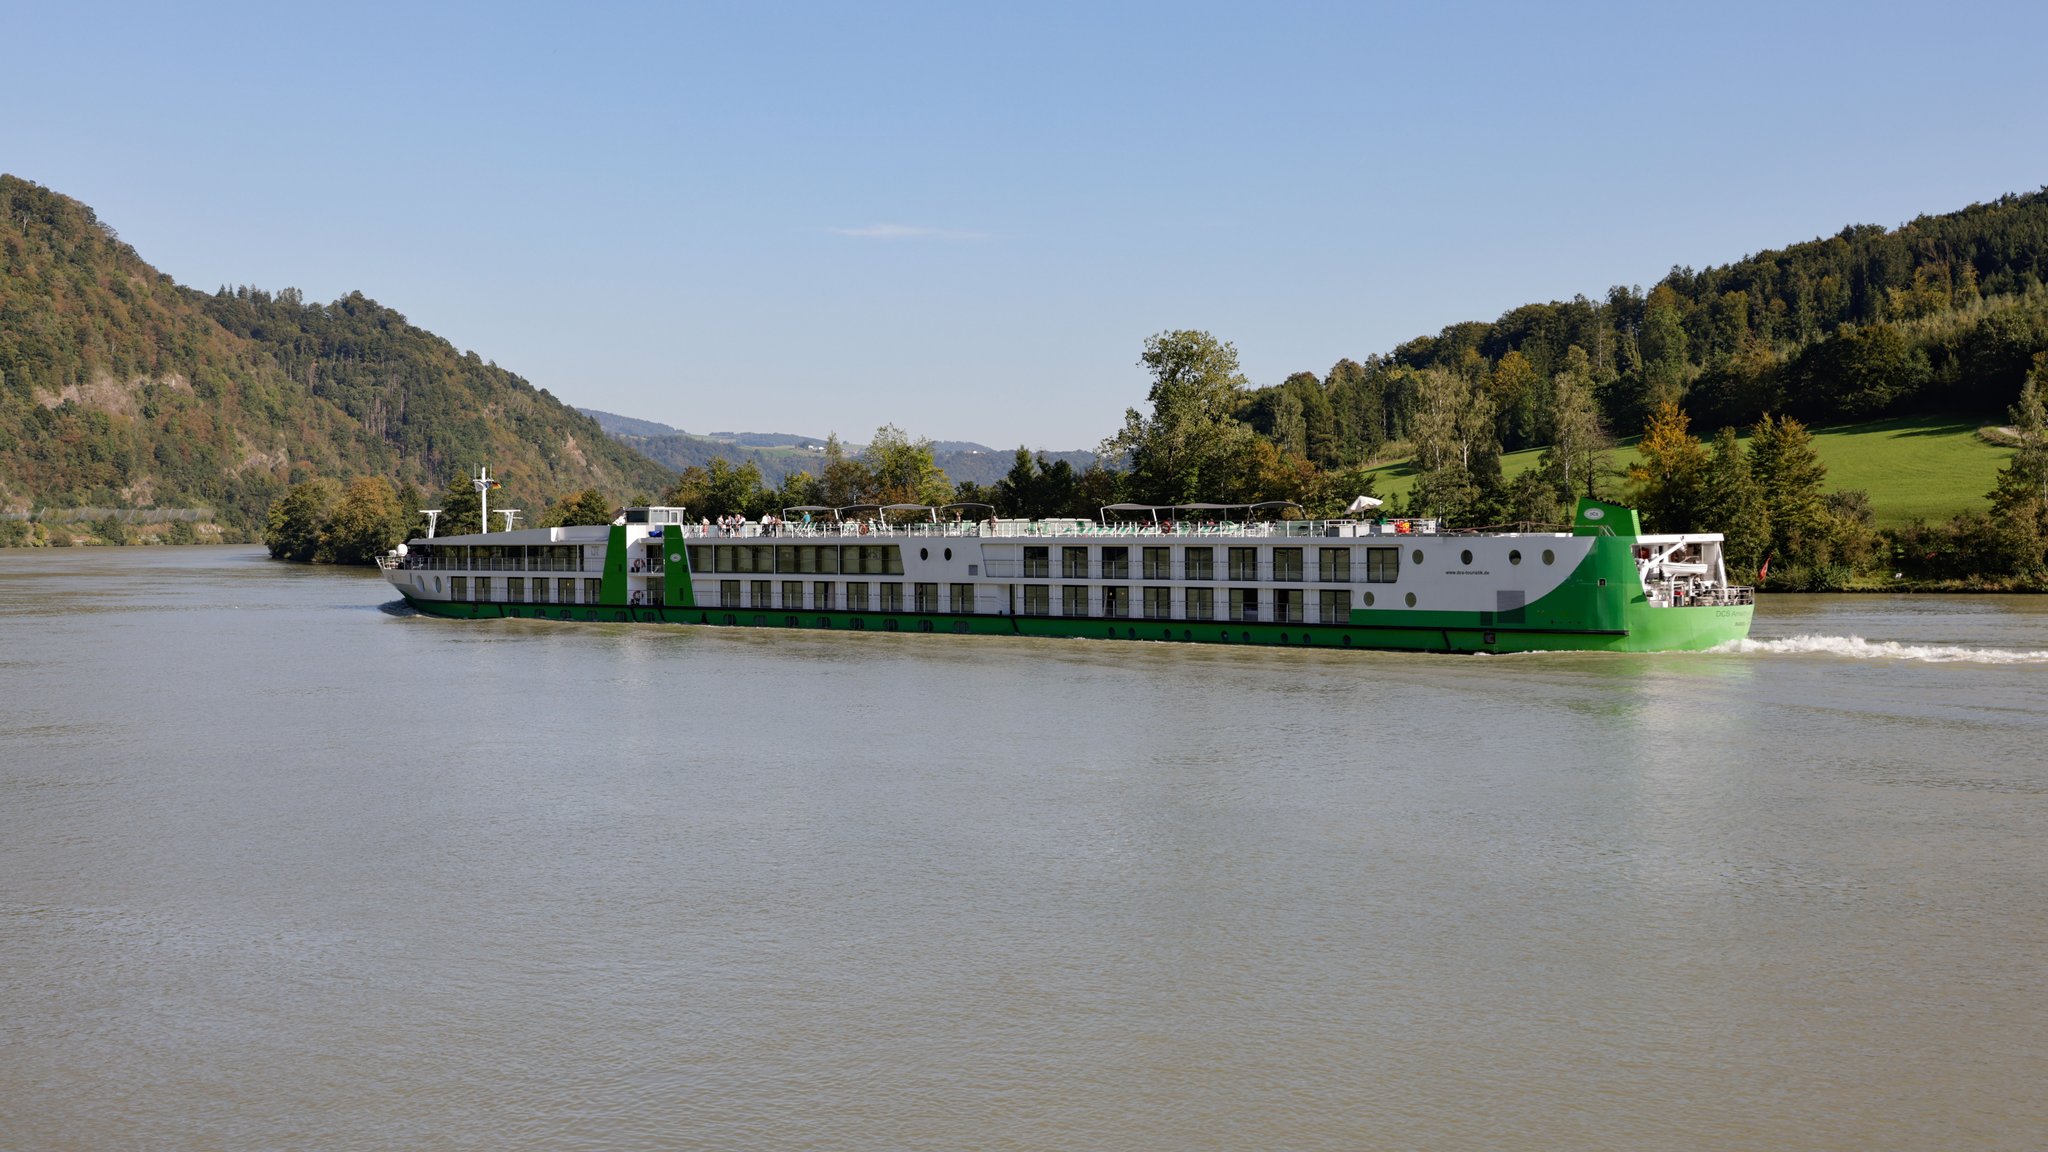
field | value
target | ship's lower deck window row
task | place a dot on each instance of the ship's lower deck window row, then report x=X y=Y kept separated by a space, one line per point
x=514 y=589
x=1278 y=605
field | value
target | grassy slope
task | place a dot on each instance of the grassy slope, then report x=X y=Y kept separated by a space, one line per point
x=1926 y=467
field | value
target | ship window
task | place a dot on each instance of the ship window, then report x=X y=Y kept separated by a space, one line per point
x=1515 y=556
x=1074 y=563
x=1286 y=563
x=1411 y=599
x=1287 y=605
x=821 y=594
x=1244 y=603
x=728 y=593
x=1157 y=564
x=1334 y=565
x=1116 y=563
x=593 y=591
x=857 y=596
x=1549 y=557
x=1037 y=562
x=828 y=560
x=1416 y=556
x=927 y=597
x=1382 y=565
x=1116 y=602
x=963 y=598
x=1037 y=600
x=1465 y=558
x=1201 y=603
x=785 y=558
x=1073 y=600
x=924 y=553
x=1244 y=563
x=892 y=596
x=760 y=593
x=1198 y=564
x=1158 y=601
x=792 y=593
x=1336 y=606
x=565 y=590
x=949 y=553
x=1368 y=599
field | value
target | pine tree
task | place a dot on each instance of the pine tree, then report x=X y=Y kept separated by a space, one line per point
x=1733 y=505
x=1790 y=474
x=2020 y=501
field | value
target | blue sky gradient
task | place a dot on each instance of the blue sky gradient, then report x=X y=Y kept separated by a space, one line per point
x=965 y=222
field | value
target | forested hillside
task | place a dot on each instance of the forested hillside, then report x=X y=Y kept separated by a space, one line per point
x=121 y=390
x=1943 y=314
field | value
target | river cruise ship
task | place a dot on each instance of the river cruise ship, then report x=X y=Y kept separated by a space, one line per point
x=1187 y=573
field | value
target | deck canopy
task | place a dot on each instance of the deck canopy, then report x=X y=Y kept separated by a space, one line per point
x=970 y=504
x=883 y=510
x=807 y=509
x=1156 y=509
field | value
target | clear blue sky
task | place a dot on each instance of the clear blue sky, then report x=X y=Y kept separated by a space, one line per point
x=804 y=219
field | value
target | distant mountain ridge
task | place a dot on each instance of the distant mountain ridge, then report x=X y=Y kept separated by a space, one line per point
x=121 y=389
x=779 y=454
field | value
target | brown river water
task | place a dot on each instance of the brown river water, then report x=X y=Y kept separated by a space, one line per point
x=282 y=866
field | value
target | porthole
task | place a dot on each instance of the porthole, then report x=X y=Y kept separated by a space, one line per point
x=1549 y=557
x=1515 y=556
x=1411 y=599
x=949 y=553
x=1465 y=557
x=924 y=553
x=1247 y=637
x=1418 y=556
x=1347 y=641
x=1368 y=599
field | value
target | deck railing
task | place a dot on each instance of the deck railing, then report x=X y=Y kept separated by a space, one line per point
x=1266 y=529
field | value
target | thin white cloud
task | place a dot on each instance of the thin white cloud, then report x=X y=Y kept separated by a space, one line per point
x=905 y=232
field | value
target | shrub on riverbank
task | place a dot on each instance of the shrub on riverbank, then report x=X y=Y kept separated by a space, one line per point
x=319 y=522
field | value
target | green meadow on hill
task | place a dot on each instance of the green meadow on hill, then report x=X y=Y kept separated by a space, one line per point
x=1914 y=468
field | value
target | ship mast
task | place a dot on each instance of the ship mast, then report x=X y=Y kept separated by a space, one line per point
x=483 y=484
